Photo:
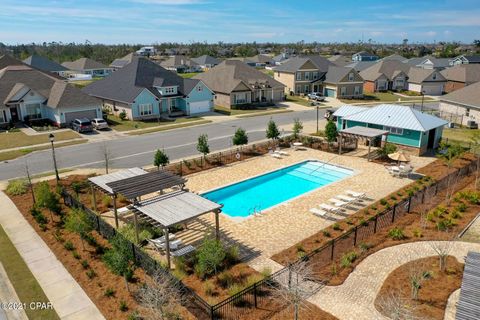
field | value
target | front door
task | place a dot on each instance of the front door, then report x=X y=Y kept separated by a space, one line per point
x=14 y=114
x=431 y=139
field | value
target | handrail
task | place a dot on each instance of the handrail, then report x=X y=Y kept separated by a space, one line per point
x=324 y=163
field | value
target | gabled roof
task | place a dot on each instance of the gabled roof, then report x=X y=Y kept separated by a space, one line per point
x=178 y=61
x=206 y=59
x=295 y=63
x=364 y=54
x=44 y=64
x=467 y=73
x=389 y=68
x=419 y=75
x=83 y=64
x=57 y=92
x=348 y=110
x=395 y=57
x=336 y=74
x=397 y=116
x=361 y=65
x=123 y=61
x=472 y=59
x=226 y=76
x=7 y=60
x=128 y=82
x=340 y=60
x=467 y=96
x=259 y=58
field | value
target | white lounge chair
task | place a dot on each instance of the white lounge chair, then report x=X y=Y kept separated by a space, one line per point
x=183 y=251
x=276 y=155
x=162 y=239
x=358 y=195
x=330 y=208
x=123 y=211
x=280 y=152
x=339 y=203
x=163 y=246
x=347 y=198
x=319 y=212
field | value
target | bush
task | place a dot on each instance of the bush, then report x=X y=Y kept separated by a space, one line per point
x=122 y=115
x=234 y=289
x=210 y=257
x=300 y=247
x=17 y=187
x=326 y=233
x=109 y=292
x=336 y=226
x=348 y=258
x=90 y=274
x=266 y=272
x=76 y=255
x=225 y=279
x=128 y=231
x=396 y=234
x=90 y=239
x=123 y=306
x=365 y=246
x=417 y=233
x=363 y=222
x=387 y=149
x=69 y=246
x=232 y=255
x=462 y=207
x=38 y=216
x=444 y=224
x=46 y=198
x=455 y=214
x=106 y=201
x=85 y=264
x=383 y=202
x=209 y=289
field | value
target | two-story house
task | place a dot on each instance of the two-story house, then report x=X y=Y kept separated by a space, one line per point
x=386 y=75
x=364 y=56
x=343 y=82
x=303 y=74
x=464 y=59
x=145 y=90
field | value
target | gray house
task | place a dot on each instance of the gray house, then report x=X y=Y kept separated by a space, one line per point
x=206 y=62
x=45 y=64
x=342 y=82
x=88 y=66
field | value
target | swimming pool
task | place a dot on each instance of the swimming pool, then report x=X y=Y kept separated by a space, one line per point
x=262 y=192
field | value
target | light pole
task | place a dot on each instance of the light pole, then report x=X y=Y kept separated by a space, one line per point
x=317 y=118
x=52 y=138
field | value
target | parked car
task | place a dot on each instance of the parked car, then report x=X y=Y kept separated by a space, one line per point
x=99 y=124
x=316 y=96
x=82 y=125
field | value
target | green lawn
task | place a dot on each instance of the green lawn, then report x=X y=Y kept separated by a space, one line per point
x=188 y=75
x=461 y=135
x=299 y=100
x=9 y=155
x=268 y=72
x=253 y=112
x=164 y=128
x=125 y=125
x=83 y=83
x=383 y=97
x=19 y=139
x=25 y=284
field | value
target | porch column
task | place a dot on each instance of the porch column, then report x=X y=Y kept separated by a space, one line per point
x=217 y=225
x=115 y=209
x=167 y=247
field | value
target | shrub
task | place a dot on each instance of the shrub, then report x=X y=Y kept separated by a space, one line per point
x=349 y=222
x=118 y=259
x=209 y=289
x=234 y=289
x=122 y=115
x=232 y=255
x=444 y=224
x=326 y=233
x=43 y=226
x=225 y=279
x=392 y=197
x=38 y=216
x=373 y=207
x=109 y=292
x=106 y=201
x=77 y=221
x=455 y=214
x=462 y=207
x=90 y=239
x=365 y=246
x=123 y=306
x=266 y=272
x=210 y=257
x=430 y=216
x=17 y=187
x=410 y=192
x=383 y=202
x=396 y=234
x=77 y=187
x=128 y=231
x=58 y=236
x=300 y=247
x=333 y=269
x=336 y=226
x=85 y=264
x=417 y=233
x=69 y=246
x=46 y=198
x=363 y=222
x=348 y=258
x=90 y=274
x=76 y=255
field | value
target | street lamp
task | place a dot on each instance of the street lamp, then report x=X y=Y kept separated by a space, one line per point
x=317 y=118
x=52 y=138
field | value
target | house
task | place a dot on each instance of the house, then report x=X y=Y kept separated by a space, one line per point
x=29 y=95
x=408 y=128
x=259 y=61
x=146 y=51
x=206 y=62
x=45 y=64
x=464 y=103
x=426 y=81
x=181 y=64
x=434 y=63
x=364 y=56
x=145 y=90
x=282 y=58
x=122 y=62
x=395 y=57
x=463 y=59
x=386 y=75
x=303 y=74
x=460 y=76
x=360 y=65
x=88 y=66
x=340 y=60
x=236 y=83
x=342 y=82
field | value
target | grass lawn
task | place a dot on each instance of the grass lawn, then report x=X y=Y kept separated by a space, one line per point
x=384 y=97
x=188 y=75
x=252 y=112
x=125 y=125
x=461 y=135
x=19 y=139
x=268 y=72
x=9 y=155
x=164 y=128
x=25 y=284
x=299 y=100
x=83 y=83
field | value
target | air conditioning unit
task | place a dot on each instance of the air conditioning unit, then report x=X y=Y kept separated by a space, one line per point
x=472 y=124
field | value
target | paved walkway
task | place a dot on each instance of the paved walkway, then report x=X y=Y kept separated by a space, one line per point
x=66 y=295
x=354 y=299
x=8 y=294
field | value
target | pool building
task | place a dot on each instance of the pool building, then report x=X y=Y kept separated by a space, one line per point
x=410 y=129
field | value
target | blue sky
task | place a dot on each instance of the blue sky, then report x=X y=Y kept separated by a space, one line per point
x=155 y=21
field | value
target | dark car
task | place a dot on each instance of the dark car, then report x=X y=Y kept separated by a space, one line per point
x=82 y=125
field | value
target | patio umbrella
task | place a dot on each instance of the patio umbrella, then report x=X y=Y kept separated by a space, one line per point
x=399 y=156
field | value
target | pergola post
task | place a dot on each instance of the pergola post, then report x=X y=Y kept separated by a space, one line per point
x=167 y=248
x=115 y=209
x=94 y=198
x=369 y=146
x=135 y=222
x=217 y=225
x=340 y=144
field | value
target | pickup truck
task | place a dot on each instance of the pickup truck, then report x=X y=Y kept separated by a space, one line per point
x=316 y=96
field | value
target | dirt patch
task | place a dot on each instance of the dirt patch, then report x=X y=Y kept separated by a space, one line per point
x=434 y=292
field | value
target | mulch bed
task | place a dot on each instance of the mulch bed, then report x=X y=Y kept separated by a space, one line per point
x=434 y=292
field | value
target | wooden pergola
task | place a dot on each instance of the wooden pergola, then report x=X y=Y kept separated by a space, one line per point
x=359 y=132
x=174 y=208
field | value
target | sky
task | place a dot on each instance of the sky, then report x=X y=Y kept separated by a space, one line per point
x=186 y=21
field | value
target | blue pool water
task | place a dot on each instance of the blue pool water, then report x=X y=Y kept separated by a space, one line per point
x=262 y=192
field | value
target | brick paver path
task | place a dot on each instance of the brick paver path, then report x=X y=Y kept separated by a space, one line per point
x=354 y=299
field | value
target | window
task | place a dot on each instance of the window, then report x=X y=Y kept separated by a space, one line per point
x=199 y=88
x=307 y=88
x=357 y=90
x=307 y=75
x=394 y=130
x=2 y=117
x=299 y=88
x=240 y=98
x=467 y=112
x=170 y=90
x=34 y=111
x=299 y=76
x=343 y=91
x=145 y=109
x=173 y=103
x=350 y=76
x=434 y=76
x=315 y=75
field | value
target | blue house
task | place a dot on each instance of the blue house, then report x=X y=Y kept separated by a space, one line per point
x=145 y=90
x=364 y=56
x=408 y=128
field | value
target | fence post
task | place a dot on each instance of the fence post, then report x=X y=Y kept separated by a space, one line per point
x=355 y=236
x=212 y=313
x=393 y=213
x=375 y=224
x=333 y=248
x=255 y=294
x=98 y=224
x=409 y=203
x=133 y=252
x=436 y=188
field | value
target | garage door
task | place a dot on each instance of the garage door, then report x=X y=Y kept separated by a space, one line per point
x=433 y=90
x=330 y=92
x=200 y=106
x=89 y=114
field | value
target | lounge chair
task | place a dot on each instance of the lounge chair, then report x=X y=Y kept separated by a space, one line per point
x=338 y=203
x=280 y=152
x=347 y=198
x=330 y=208
x=162 y=239
x=358 y=195
x=163 y=246
x=183 y=251
x=276 y=155
x=319 y=212
x=123 y=211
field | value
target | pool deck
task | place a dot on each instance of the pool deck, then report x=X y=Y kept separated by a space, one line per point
x=290 y=222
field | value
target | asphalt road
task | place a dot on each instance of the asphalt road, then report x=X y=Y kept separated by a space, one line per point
x=137 y=151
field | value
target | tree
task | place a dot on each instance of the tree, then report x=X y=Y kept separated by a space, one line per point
x=331 y=131
x=476 y=43
x=160 y=296
x=475 y=140
x=395 y=307
x=202 y=145
x=77 y=221
x=46 y=198
x=240 y=137
x=160 y=159
x=297 y=127
x=416 y=276
x=442 y=249
x=119 y=259
x=106 y=156
x=449 y=154
x=210 y=257
x=272 y=130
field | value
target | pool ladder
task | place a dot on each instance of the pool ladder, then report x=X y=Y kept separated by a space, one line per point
x=254 y=211
x=323 y=165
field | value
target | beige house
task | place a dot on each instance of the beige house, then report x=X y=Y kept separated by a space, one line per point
x=387 y=74
x=343 y=82
x=236 y=84
x=303 y=74
x=463 y=104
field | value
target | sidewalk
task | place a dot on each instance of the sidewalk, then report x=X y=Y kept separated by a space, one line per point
x=8 y=294
x=66 y=295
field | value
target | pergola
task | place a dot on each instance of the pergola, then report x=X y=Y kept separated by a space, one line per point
x=359 y=132
x=174 y=208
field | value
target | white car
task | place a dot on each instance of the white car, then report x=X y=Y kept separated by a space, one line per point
x=99 y=124
x=316 y=96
